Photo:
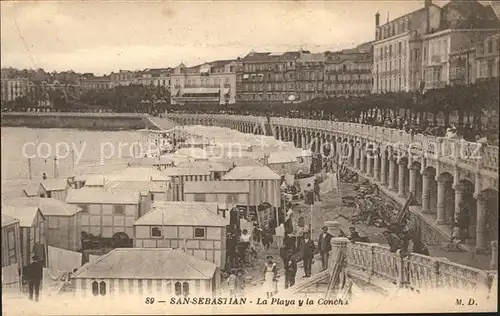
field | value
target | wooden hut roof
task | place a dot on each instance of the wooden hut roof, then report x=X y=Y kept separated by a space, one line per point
x=101 y=196
x=48 y=206
x=147 y=263
x=251 y=173
x=25 y=214
x=183 y=214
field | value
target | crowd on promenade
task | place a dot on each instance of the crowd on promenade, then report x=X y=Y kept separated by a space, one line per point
x=466 y=131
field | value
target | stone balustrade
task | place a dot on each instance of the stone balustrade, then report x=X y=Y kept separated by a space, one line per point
x=469 y=154
x=417 y=272
x=77 y=114
x=431 y=168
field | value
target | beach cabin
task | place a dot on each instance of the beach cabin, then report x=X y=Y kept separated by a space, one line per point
x=282 y=162
x=143 y=179
x=228 y=193
x=31 y=190
x=158 y=163
x=195 y=227
x=54 y=188
x=217 y=169
x=179 y=176
x=264 y=185
x=94 y=181
x=33 y=231
x=11 y=254
x=109 y=214
x=63 y=220
x=147 y=272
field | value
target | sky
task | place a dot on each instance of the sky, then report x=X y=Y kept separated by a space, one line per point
x=104 y=36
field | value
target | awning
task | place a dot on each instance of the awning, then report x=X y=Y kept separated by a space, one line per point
x=200 y=90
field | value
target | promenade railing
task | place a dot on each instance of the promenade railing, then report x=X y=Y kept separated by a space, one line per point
x=472 y=154
x=414 y=271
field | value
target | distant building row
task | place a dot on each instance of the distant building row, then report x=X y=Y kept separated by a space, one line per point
x=434 y=47
x=425 y=49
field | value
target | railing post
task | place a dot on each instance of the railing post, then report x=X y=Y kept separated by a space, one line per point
x=494 y=255
x=400 y=282
x=372 y=261
x=435 y=275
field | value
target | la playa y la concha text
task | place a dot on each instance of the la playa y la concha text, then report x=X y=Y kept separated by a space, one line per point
x=259 y=301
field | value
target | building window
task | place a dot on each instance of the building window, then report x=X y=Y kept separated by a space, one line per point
x=199 y=197
x=199 y=232
x=99 y=288
x=85 y=208
x=233 y=198
x=178 y=288
x=102 y=288
x=12 y=246
x=119 y=209
x=489 y=45
x=53 y=222
x=185 y=288
x=95 y=288
x=155 y=231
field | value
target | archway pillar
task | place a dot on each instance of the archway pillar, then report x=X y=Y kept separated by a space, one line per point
x=401 y=179
x=459 y=197
x=413 y=180
x=362 y=167
x=440 y=203
x=356 y=157
x=376 y=171
x=481 y=231
x=426 y=194
x=383 y=167
x=369 y=163
x=392 y=174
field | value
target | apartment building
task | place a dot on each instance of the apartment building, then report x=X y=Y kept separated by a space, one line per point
x=310 y=70
x=397 y=47
x=348 y=73
x=420 y=50
x=270 y=77
x=14 y=88
x=122 y=78
x=213 y=82
x=488 y=57
x=96 y=83
x=156 y=77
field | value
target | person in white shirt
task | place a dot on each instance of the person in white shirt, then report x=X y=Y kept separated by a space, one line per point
x=244 y=246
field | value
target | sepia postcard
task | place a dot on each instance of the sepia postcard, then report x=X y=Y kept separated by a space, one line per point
x=249 y=157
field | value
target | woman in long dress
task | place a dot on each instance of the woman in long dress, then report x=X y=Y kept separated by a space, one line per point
x=270 y=277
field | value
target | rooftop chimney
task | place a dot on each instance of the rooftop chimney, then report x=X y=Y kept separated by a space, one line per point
x=427 y=5
x=377 y=19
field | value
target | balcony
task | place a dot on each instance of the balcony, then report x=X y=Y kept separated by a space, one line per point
x=435 y=85
x=196 y=99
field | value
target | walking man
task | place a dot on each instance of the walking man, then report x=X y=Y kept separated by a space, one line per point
x=316 y=190
x=324 y=246
x=290 y=270
x=307 y=252
x=34 y=275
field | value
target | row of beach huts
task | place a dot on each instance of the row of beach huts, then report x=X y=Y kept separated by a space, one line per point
x=165 y=216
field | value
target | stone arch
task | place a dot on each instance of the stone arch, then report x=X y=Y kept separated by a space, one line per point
x=449 y=196
x=415 y=167
x=430 y=172
x=464 y=191
x=490 y=198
